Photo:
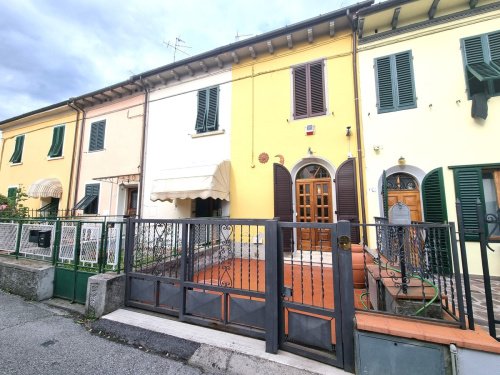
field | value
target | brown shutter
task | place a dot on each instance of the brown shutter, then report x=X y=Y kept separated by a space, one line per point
x=283 y=206
x=347 y=196
x=299 y=92
x=317 y=89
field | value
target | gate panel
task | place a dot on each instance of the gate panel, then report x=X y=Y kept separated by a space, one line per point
x=312 y=321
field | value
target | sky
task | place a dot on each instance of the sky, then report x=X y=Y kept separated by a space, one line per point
x=52 y=50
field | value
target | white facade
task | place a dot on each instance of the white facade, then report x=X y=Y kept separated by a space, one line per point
x=172 y=142
x=440 y=131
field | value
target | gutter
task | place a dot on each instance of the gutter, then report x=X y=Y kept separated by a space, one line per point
x=80 y=152
x=140 y=201
x=78 y=110
x=358 y=127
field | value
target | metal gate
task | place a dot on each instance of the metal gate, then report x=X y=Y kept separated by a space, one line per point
x=84 y=249
x=233 y=275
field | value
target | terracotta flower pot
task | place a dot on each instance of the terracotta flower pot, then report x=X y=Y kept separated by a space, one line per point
x=358 y=266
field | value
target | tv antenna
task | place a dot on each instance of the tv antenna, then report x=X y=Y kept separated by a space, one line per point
x=178 y=46
x=238 y=36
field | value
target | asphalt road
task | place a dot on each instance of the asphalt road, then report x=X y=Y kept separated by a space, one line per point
x=38 y=339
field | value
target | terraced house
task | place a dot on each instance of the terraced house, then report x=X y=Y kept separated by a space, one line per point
x=37 y=153
x=430 y=85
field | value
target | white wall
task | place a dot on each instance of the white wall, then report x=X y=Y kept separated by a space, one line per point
x=171 y=122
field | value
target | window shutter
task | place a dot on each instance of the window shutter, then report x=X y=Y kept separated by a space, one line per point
x=404 y=73
x=468 y=188
x=385 y=93
x=101 y=129
x=92 y=189
x=347 y=196
x=283 y=205
x=317 y=89
x=494 y=44
x=12 y=193
x=300 y=92
x=57 y=142
x=17 y=155
x=93 y=137
x=385 y=196
x=473 y=50
x=202 y=110
x=213 y=109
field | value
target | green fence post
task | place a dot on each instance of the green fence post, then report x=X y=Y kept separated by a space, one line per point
x=57 y=242
x=76 y=257
x=18 y=239
x=119 y=255
x=101 y=259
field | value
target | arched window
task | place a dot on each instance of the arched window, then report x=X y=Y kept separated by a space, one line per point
x=312 y=171
x=401 y=181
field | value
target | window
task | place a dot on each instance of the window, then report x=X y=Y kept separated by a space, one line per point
x=395 y=83
x=482 y=63
x=97 y=131
x=90 y=202
x=308 y=90
x=12 y=193
x=17 y=155
x=57 y=142
x=473 y=183
x=207 y=118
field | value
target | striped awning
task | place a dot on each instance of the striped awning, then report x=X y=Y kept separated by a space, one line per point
x=45 y=188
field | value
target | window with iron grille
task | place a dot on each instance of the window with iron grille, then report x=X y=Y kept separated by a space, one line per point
x=309 y=90
x=12 y=193
x=207 y=118
x=90 y=202
x=395 y=82
x=17 y=155
x=97 y=131
x=481 y=56
x=57 y=142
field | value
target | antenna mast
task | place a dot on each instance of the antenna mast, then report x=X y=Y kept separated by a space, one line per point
x=179 y=45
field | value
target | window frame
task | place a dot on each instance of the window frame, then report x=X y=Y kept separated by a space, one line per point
x=90 y=202
x=57 y=145
x=308 y=90
x=17 y=154
x=205 y=110
x=487 y=59
x=395 y=83
x=94 y=143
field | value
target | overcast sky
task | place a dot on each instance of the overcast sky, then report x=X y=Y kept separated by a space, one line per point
x=51 y=50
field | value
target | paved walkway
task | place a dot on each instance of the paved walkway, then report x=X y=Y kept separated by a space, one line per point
x=479 y=300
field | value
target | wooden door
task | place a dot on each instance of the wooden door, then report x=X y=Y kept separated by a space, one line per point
x=132 y=195
x=411 y=198
x=314 y=205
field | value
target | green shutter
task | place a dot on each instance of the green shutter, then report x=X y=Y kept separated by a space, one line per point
x=494 y=45
x=213 y=109
x=385 y=196
x=405 y=83
x=317 y=89
x=476 y=56
x=97 y=132
x=12 y=193
x=468 y=188
x=385 y=95
x=434 y=203
x=17 y=155
x=57 y=142
x=202 y=111
x=433 y=197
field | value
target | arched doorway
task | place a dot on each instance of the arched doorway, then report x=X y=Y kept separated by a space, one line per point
x=313 y=192
x=403 y=187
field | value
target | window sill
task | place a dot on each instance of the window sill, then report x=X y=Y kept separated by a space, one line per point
x=16 y=164
x=55 y=158
x=207 y=134
x=92 y=151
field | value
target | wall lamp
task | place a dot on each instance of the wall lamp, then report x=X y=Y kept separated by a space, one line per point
x=348 y=132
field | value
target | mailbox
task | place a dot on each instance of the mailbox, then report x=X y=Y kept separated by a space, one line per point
x=44 y=238
x=33 y=237
x=399 y=214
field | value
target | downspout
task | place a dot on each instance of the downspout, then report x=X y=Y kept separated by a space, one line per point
x=143 y=146
x=78 y=111
x=358 y=126
x=80 y=152
x=2 y=143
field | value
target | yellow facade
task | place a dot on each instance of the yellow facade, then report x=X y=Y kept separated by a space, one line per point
x=262 y=120
x=35 y=164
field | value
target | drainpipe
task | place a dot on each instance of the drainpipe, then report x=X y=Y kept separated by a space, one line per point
x=140 y=200
x=78 y=111
x=358 y=126
x=80 y=151
x=2 y=143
